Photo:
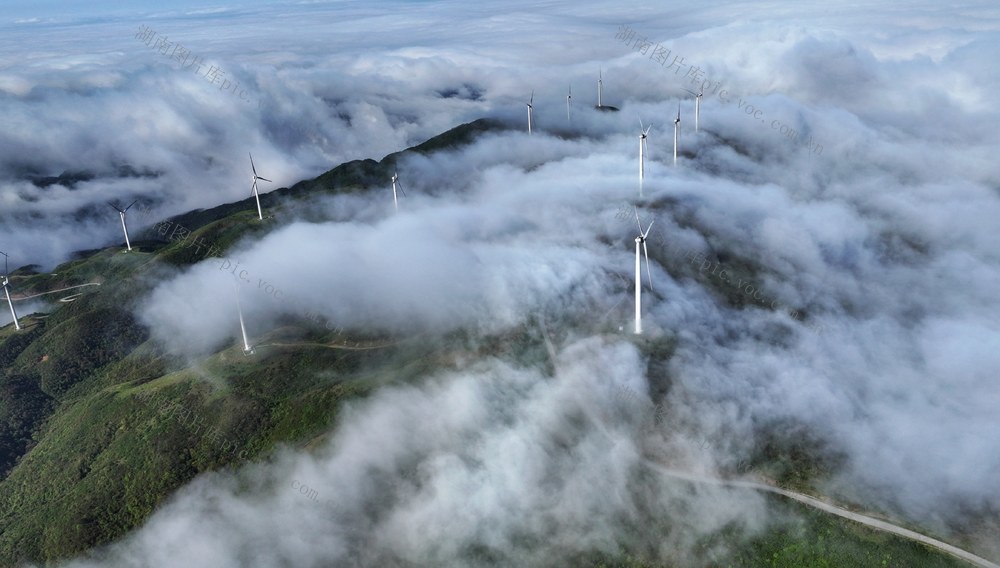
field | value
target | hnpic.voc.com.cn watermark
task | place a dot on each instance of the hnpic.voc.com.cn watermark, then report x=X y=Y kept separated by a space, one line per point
x=176 y=52
x=698 y=79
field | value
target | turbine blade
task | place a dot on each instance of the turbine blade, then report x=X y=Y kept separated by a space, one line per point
x=400 y=185
x=130 y=205
x=641 y=127
x=649 y=275
x=532 y=99
x=692 y=92
x=263 y=179
x=647 y=228
x=637 y=218
x=252 y=166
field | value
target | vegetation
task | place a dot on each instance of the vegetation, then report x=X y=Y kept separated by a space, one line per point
x=98 y=427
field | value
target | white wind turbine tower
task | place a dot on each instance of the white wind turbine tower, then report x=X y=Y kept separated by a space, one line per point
x=531 y=100
x=641 y=239
x=643 y=132
x=10 y=303
x=121 y=212
x=677 y=131
x=247 y=349
x=600 y=88
x=697 y=106
x=253 y=190
x=395 y=182
x=569 y=97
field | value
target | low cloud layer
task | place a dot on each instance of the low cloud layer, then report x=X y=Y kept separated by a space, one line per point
x=885 y=240
x=518 y=457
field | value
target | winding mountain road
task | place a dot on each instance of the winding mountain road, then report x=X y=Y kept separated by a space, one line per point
x=808 y=500
x=22 y=298
x=872 y=522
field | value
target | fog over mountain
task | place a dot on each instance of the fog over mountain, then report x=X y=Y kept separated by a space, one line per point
x=873 y=232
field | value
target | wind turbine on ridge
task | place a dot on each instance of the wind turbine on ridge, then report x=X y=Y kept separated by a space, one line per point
x=247 y=349
x=697 y=105
x=643 y=133
x=395 y=179
x=6 y=291
x=600 y=88
x=531 y=100
x=253 y=190
x=121 y=212
x=641 y=240
x=569 y=97
x=677 y=131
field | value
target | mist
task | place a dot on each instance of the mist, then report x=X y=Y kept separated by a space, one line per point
x=877 y=222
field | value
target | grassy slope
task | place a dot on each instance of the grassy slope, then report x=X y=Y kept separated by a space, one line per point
x=102 y=427
x=804 y=538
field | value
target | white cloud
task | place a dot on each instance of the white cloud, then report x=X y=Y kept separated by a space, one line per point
x=886 y=238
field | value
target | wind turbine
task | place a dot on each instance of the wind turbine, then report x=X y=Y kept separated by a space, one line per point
x=121 y=212
x=643 y=132
x=531 y=100
x=247 y=349
x=395 y=179
x=641 y=239
x=569 y=97
x=600 y=88
x=677 y=131
x=6 y=291
x=253 y=191
x=697 y=106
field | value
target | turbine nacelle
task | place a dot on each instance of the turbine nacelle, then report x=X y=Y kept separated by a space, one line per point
x=530 y=100
x=677 y=131
x=569 y=98
x=253 y=187
x=697 y=106
x=395 y=184
x=643 y=134
x=644 y=131
x=121 y=214
x=120 y=210
x=600 y=87
x=640 y=240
